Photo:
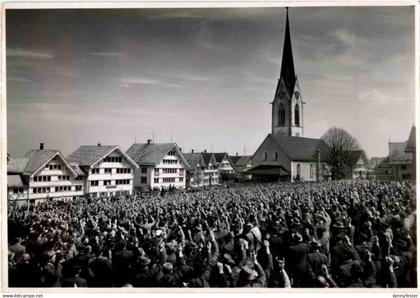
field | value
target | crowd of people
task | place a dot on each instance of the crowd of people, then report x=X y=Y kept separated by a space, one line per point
x=332 y=234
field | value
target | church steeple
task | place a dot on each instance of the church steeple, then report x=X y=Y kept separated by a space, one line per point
x=287 y=72
x=287 y=107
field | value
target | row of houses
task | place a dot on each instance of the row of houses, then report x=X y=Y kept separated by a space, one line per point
x=108 y=170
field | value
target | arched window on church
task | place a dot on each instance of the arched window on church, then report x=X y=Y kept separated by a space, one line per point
x=297 y=115
x=282 y=115
x=298 y=171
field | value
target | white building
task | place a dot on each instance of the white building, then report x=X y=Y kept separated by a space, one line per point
x=43 y=174
x=160 y=165
x=108 y=169
x=211 y=170
x=224 y=163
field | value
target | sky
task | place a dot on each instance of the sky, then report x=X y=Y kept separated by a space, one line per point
x=204 y=78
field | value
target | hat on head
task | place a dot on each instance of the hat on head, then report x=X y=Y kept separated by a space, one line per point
x=144 y=260
x=314 y=243
x=297 y=237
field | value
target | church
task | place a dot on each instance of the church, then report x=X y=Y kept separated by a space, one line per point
x=285 y=154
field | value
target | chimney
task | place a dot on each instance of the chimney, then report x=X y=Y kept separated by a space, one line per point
x=192 y=150
x=149 y=141
x=99 y=144
x=41 y=146
x=205 y=151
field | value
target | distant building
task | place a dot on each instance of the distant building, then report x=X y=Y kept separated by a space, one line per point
x=108 y=170
x=225 y=165
x=410 y=149
x=241 y=164
x=211 y=169
x=357 y=165
x=160 y=165
x=372 y=164
x=43 y=174
x=196 y=174
x=400 y=163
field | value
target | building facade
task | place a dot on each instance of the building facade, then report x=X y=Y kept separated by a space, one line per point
x=211 y=168
x=357 y=166
x=161 y=166
x=108 y=170
x=43 y=174
x=196 y=174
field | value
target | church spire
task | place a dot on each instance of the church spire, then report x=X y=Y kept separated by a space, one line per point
x=287 y=72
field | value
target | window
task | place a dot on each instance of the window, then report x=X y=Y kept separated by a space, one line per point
x=144 y=180
x=107 y=182
x=312 y=171
x=156 y=180
x=171 y=153
x=265 y=155
x=181 y=171
x=79 y=187
x=94 y=183
x=108 y=171
x=168 y=180
x=170 y=171
x=297 y=115
x=170 y=161
x=157 y=171
x=298 y=169
x=282 y=115
x=275 y=155
x=95 y=171
x=144 y=170
x=181 y=179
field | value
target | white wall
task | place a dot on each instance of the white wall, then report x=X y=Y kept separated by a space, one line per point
x=55 y=182
x=102 y=189
x=179 y=176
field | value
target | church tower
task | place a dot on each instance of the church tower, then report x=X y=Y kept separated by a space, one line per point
x=287 y=106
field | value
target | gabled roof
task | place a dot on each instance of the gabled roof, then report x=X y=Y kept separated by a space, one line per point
x=15 y=181
x=235 y=158
x=152 y=154
x=193 y=160
x=411 y=142
x=88 y=156
x=207 y=157
x=375 y=161
x=37 y=158
x=243 y=160
x=355 y=155
x=219 y=156
x=397 y=152
x=16 y=165
x=298 y=148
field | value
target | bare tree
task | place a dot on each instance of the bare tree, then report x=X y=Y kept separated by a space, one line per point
x=337 y=152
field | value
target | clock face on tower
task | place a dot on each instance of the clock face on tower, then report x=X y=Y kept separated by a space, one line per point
x=297 y=94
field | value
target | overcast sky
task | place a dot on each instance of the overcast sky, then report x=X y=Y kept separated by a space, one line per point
x=205 y=76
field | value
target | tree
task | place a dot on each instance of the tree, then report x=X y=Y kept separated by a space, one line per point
x=337 y=152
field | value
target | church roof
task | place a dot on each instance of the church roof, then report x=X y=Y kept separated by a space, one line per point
x=298 y=148
x=287 y=72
